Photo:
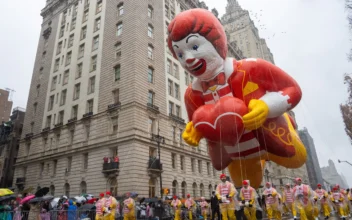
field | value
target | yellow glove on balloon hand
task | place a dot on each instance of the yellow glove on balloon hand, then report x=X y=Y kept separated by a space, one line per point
x=191 y=135
x=258 y=112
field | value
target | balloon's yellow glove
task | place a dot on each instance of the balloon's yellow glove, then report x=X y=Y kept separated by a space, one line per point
x=191 y=135
x=258 y=112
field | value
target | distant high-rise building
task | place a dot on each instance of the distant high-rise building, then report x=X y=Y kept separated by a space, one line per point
x=313 y=168
x=331 y=175
x=5 y=105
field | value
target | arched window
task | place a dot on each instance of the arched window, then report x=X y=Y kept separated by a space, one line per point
x=52 y=190
x=194 y=188
x=183 y=189
x=201 y=191
x=113 y=186
x=83 y=188
x=210 y=188
x=215 y=187
x=151 y=188
x=174 y=188
x=67 y=190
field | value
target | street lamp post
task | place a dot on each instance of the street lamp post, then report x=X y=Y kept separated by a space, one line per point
x=159 y=140
x=345 y=161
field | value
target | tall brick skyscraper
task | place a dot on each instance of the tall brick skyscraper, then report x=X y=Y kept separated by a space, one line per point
x=104 y=83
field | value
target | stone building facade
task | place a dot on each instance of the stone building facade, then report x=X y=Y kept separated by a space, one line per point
x=5 y=105
x=104 y=83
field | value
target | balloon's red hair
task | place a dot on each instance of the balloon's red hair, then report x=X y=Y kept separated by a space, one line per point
x=198 y=21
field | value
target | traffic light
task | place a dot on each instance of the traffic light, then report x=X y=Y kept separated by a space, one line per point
x=166 y=191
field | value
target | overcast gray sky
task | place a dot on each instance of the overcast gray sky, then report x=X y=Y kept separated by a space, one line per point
x=313 y=50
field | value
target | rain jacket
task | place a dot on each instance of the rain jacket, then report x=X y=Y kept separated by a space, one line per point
x=72 y=211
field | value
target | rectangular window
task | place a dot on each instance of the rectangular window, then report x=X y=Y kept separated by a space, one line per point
x=48 y=121
x=167 y=11
x=70 y=40
x=85 y=15
x=95 y=42
x=85 y=161
x=182 y=162
x=150 y=52
x=117 y=71
x=73 y=24
x=178 y=111
x=120 y=9
x=97 y=24
x=99 y=6
x=191 y=77
x=51 y=102
x=68 y=58
x=173 y=130
x=77 y=91
x=91 y=85
x=74 y=112
x=173 y=160
x=199 y=166
x=170 y=87
x=53 y=83
x=150 y=75
x=54 y=167
x=62 y=31
x=115 y=125
x=180 y=135
x=60 y=119
x=90 y=104
x=118 y=50
x=171 y=107
x=150 y=31
x=116 y=96
x=59 y=47
x=168 y=66
x=172 y=15
x=81 y=51
x=166 y=28
x=151 y=125
x=83 y=32
x=177 y=91
x=192 y=165
x=150 y=12
x=79 y=70
x=175 y=73
x=66 y=76
x=93 y=63
x=208 y=168
x=151 y=97
x=63 y=97
x=69 y=164
x=186 y=78
x=118 y=29
x=57 y=64
x=35 y=109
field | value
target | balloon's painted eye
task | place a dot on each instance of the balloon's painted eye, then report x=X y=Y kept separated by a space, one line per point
x=180 y=55
x=195 y=47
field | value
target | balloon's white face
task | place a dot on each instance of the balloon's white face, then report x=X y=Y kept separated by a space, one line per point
x=198 y=55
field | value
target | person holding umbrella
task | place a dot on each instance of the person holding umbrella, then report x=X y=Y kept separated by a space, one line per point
x=100 y=204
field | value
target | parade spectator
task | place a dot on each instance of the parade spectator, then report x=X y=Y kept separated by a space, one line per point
x=214 y=203
x=72 y=211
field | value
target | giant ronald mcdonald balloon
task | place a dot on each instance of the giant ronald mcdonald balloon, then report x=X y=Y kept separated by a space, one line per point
x=239 y=107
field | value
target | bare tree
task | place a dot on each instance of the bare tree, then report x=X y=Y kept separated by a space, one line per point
x=346 y=109
x=349 y=18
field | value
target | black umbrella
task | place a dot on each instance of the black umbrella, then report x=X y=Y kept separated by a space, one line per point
x=5 y=198
x=87 y=207
x=42 y=192
x=41 y=199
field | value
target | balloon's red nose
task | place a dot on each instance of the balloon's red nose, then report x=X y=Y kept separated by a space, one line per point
x=189 y=61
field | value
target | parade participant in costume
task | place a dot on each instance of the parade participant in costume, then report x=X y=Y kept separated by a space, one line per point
x=272 y=202
x=248 y=197
x=288 y=200
x=190 y=204
x=129 y=208
x=204 y=207
x=338 y=200
x=226 y=193
x=345 y=202
x=315 y=205
x=110 y=206
x=100 y=205
x=323 y=196
x=176 y=205
x=303 y=195
x=239 y=107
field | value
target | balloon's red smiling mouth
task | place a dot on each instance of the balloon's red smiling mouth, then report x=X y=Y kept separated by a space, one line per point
x=198 y=68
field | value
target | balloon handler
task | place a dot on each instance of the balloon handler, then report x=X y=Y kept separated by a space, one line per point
x=226 y=194
x=239 y=106
x=248 y=197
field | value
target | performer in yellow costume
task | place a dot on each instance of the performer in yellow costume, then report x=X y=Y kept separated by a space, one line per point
x=303 y=196
x=100 y=205
x=338 y=200
x=248 y=196
x=129 y=208
x=204 y=207
x=323 y=196
x=288 y=200
x=226 y=193
x=110 y=207
x=272 y=202
x=190 y=205
x=176 y=205
x=346 y=206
